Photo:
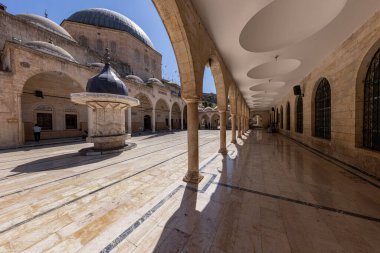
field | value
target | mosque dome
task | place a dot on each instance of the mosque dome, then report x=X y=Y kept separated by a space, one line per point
x=51 y=49
x=46 y=24
x=154 y=81
x=110 y=19
x=107 y=82
x=134 y=78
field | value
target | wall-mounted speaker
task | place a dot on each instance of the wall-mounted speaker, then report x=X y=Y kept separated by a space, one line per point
x=297 y=90
x=39 y=94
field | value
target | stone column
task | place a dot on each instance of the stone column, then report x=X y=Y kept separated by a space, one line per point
x=153 y=120
x=239 y=125
x=223 y=125
x=182 y=119
x=170 y=119
x=233 y=126
x=192 y=175
x=129 y=120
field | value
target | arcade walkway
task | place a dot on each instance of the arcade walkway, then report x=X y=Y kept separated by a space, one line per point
x=269 y=194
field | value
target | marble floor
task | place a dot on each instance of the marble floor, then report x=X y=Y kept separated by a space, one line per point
x=269 y=194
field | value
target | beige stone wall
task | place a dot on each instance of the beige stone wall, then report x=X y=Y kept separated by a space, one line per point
x=144 y=61
x=345 y=70
x=14 y=27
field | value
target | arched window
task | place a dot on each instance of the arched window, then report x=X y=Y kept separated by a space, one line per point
x=99 y=45
x=83 y=41
x=371 y=119
x=288 y=116
x=323 y=110
x=281 y=118
x=299 y=126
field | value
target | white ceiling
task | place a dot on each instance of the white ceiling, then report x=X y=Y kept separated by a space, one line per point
x=251 y=33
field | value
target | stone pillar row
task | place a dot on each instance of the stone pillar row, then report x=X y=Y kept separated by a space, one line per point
x=233 y=123
x=223 y=125
x=153 y=120
x=192 y=176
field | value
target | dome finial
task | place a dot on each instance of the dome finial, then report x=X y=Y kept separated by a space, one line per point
x=107 y=57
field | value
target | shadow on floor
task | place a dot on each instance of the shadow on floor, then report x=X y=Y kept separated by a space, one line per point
x=61 y=162
x=207 y=223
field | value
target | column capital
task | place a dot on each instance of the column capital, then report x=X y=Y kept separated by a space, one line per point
x=192 y=100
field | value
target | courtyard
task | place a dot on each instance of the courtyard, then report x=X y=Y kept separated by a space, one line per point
x=268 y=194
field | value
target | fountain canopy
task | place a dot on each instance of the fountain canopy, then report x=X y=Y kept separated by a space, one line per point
x=107 y=98
x=107 y=82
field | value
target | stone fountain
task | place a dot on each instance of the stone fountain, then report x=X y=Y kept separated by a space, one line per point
x=107 y=99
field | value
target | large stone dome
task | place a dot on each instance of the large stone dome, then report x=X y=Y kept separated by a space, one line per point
x=51 y=49
x=46 y=24
x=110 y=19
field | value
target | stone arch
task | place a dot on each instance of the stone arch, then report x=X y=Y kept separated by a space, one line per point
x=162 y=110
x=176 y=25
x=361 y=73
x=257 y=121
x=142 y=114
x=176 y=116
x=51 y=89
x=313 y=106
x=215 y=121
x=220 y=84
x=204 y=121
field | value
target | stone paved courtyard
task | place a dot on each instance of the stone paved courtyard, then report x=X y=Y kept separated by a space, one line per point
x=269 y=194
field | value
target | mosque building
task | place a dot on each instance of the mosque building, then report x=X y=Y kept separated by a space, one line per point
x=42 y=63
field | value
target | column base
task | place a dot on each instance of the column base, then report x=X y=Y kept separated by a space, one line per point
x=233 y=141
x=193 y=177
x=223 y=151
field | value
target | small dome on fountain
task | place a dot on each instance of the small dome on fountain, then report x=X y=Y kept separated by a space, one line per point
x=107 y=81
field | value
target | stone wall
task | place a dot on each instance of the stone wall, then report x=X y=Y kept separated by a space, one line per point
x=144 y=61
x=15 y=28
x=345 y=69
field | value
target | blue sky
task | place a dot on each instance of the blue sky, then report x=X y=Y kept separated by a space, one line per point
x=142 y=12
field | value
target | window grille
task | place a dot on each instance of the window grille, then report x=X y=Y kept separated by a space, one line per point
x=299 y=127
x=323 y=110
x=371 y=119
x=71 y=121
x=45 y=121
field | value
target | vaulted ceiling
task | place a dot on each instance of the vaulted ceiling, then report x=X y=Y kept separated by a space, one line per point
x=271 y=45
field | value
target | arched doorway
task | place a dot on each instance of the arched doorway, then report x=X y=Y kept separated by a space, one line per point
x=162 y=115
x=147 y=122
x=45 y=101
x=257 y=121
x=142 y=114
x=204 y=122
x=176 y=116
x=184 y=117
x=215 y=121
